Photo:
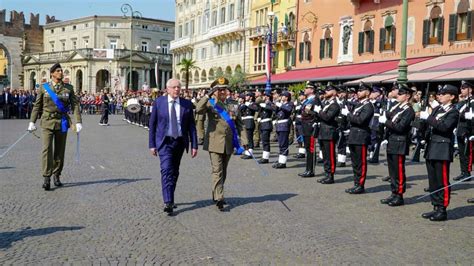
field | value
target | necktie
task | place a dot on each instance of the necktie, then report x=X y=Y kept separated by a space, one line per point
x=174 y=120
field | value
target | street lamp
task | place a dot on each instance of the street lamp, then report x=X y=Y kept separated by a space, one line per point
x=125 y=9
x=403 y=65
x=269 y=55
x=110 y=75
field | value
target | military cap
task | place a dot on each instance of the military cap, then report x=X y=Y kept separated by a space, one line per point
x=251 y=94
x=330 y=87
x=242 y=96
x=466 y=84
x=394 y=86
x=310 y=84
x=363 y=86
x=404 y=89
x=220 y=83
x=449 y=89
x=54 y=67
x=351 y=90
x=377 y=89
x=286 y=93
x=301 y=93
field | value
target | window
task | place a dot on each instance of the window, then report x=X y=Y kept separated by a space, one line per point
x=165 y=29
x=86 y=43
x=63 y=45
x=229 y=47
x=144 y=46
x=231 y=12
x=219 y=49
x=203 y=53
x=366 y=39
x=325 y=45
x=86 y=25
x=145 y=27
x=113 y=25
x=74 y=27
x=186 y=29
x=191 y=27
x=214 y=18
x=63 y=29
x=259 y=57
x=305 y=48
x=290 y=57
x=388 y=35
x=222 y=21
x=433 y=28
x=164 y=48
x=52 y=46
x=242 y=9
x=52 y=30
x=238 y=45
x=180 y=31
x=461 y=23
x=74 y=44
x=113 y=44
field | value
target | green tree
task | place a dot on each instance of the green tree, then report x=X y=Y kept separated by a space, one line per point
x=296 y=88
x=187 y=65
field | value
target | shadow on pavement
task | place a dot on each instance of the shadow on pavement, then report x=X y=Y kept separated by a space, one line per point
x=119 y=181
x=461 y=212
x=236 y=202
x=6 y=167
x=8 y=238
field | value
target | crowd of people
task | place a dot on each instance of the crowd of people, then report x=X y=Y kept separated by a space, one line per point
x=17 y=103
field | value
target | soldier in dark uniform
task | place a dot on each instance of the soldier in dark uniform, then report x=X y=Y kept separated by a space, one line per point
x=266 y=127
x=343 y=125
x=247 y=111
x=398 y=123
x=465 y=131
x=104 y=119
x=309 y=127
x=376 y=130
x=359 y=137
x=298 y=126
x=440 y=148
x=328 y=134
x=259 y=98
x=282 y=127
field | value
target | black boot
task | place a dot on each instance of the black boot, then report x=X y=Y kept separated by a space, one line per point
x=263 y=161
x=322 y=179
x=57 y=181
x=279 y=166
x=328 y=180
x=439 y=215
x=462 y=176
x=397 y=201
x=427 y=215
x=389 y=199
x=47 y=183
x=426 y=189
x=307 y=174
x=299 y=156
x=357 y=189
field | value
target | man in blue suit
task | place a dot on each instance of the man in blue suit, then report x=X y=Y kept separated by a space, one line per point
x=172 y=129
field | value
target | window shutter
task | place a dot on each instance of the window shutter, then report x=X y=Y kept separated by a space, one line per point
x=382 y=39
x=470 y=22
x=371 y=41
x=293 y=57
x=361 y=42
x=394 y=37
x=426 y=31
x=321 y=48
x=285 y=56
x=330 y=47
x=452 y=27
x=308 y=52
x=301 y=52
x=440 y=30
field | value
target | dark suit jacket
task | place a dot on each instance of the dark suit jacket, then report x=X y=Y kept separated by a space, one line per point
x=440 y=136
x=159 y=122
x=360 y=119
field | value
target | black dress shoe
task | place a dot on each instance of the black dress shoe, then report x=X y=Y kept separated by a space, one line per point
x=386 y=179
x=263 y=161
x=439 y=215
x=470 y=200
x=299 y=156
x=220 y=205
x=322 y=179
x=462 y=176
x=168 y=209
x=356 y=190
x=47 y=183
x=341 y=164
x=329 y=180
x=397 y=201
x=279 y=166
x=307 y=174
x=57 y=181
x=387 y=200
x=428 y=215
x=426 y=189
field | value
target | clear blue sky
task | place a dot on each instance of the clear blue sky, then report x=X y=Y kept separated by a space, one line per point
x=70 y=9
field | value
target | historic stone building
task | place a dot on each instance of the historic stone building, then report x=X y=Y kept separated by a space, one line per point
x=95 y=53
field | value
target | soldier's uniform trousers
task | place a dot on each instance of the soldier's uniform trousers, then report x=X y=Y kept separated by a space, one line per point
x=396 y=171
x=328 y=147
x=54 y=145
x=438 y=177
x=359 y=163
x=219 y=163
x=250 y=135
x=465 y=154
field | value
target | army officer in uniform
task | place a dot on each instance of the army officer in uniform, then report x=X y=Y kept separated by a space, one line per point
x=55 y=122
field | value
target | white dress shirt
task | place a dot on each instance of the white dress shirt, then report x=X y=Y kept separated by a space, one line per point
x=177 y=108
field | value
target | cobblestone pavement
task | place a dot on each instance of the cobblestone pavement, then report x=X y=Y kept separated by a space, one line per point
x=110 y=210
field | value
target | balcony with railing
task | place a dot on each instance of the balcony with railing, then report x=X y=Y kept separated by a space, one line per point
x=180 y=43
x=258 y=32
x=234 y=26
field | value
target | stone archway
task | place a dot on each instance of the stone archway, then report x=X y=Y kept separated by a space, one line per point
x=13 y=54
x=78 y=84
x=102 y=80
x=32 y=81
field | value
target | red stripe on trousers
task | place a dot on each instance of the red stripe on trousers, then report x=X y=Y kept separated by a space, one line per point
x=400 y=174
x=445 y=184
x=469 y=165
x=364 y=167
x=331 y=152
x=311 y=144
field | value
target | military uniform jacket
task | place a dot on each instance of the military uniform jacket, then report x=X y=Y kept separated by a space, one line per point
x=51 y=116
x=218 y=136
x=465 y=127
x=283 y=116
x=308 y=116
x=247 y=112
x=328 y=124
x=340 y=119
x=398 y=129
x=105 y=101
x=359 y=119
x=441 y=124
x=266 y=114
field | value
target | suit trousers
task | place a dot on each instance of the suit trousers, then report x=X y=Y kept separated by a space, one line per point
x=105 y=115
x=170 y=154
x=265 y=134
x=328 y=148
x=310 y=147
x=54 y=145
x=465 y=154
x=359 y=163
x=396 y=171
x=219 y=163
x=438 y=177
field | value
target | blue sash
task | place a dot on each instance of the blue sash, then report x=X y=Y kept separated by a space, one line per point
x=224 y=115
x=59 y=104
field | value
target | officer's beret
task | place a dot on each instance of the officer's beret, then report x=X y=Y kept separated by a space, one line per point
x=449 y=89
x=404 y=89
x=286 y=93
x=466 y=84
x=363 y=86
x=54 y=67
x=220 y=83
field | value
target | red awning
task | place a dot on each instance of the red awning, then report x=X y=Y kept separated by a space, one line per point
x=333 y=73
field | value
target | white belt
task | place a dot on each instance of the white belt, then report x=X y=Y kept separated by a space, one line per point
x=298 y=116
x=376 y=115
x=282 y=121
x=247 y=117
x=265 y=120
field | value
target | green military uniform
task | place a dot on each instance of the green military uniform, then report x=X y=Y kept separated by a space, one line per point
x=200 y=119
x=53 y=155
x=218 y=141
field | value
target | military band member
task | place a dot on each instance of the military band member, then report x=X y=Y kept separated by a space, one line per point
x=465 y=131
x=55 y=121
x=440 y=148
x=247 y=111
x=298 y=126
x=359 y=137
x=104 y=119
x=265 y=121
x=398 y=124
x=328 y=134
x=282 y=127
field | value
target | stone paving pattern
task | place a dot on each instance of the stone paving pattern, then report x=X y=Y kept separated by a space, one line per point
x=110 y=210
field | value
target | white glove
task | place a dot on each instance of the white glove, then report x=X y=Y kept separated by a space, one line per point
x=468 y=115
x=78 y=127
x=263 y=105
x=317 y=108
x=278 y=104
x=471 y=138
x=424 y=115
x=298 y=107
x=247 y=103
x=31 y=127
x=274 y=122
x=384 y=143
x=308 y=107
x=382 y=119
x=193 y=100
x=344 y=111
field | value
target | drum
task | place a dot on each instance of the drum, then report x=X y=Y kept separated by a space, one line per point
x=133 y=106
